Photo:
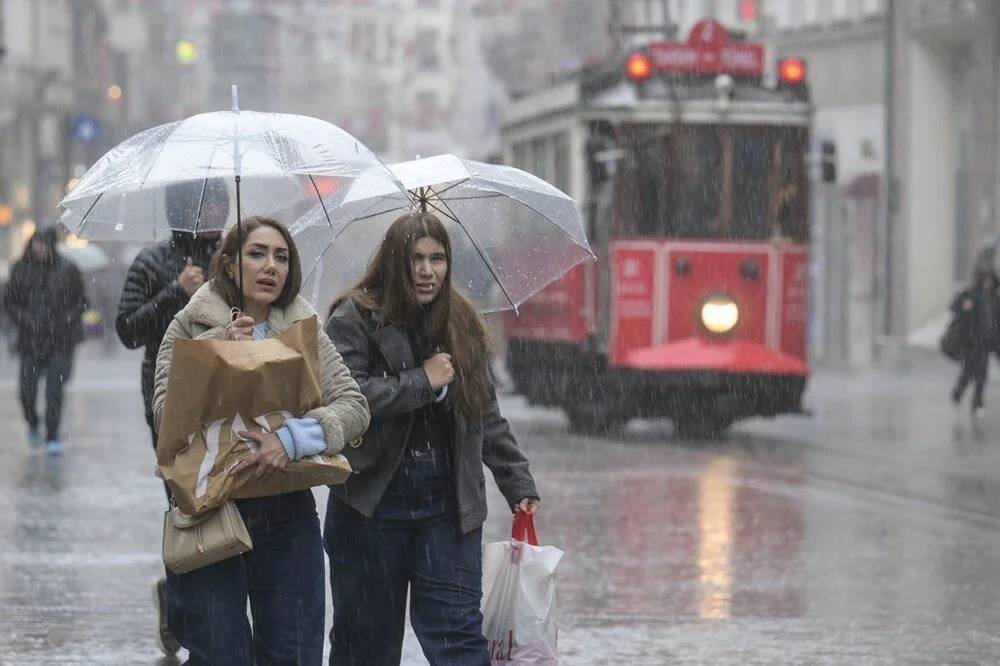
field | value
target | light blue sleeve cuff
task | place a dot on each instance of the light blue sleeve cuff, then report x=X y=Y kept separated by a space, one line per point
x=285 y=435
x=305 y=438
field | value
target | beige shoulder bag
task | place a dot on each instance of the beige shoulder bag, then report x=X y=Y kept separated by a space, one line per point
x=192 y=542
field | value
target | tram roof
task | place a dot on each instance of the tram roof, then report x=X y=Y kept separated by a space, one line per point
x=604 y=92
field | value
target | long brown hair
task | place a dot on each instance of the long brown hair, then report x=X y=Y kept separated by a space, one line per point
x=450 y=323
x=225 y=256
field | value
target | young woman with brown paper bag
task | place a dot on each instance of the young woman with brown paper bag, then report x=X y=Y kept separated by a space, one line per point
x=282 y=575
x=410 y=518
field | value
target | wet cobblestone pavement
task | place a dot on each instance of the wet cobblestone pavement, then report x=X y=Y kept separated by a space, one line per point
x=867 y=534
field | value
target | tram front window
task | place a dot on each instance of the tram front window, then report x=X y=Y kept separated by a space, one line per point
x=711 y=181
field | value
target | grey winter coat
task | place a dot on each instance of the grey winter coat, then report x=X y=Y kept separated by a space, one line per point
x=344 y=415
x=395 y=384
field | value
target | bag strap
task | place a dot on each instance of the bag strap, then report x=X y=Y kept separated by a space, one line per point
x=524 y=528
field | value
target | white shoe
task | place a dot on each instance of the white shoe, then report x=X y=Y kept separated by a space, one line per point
x=979 y=412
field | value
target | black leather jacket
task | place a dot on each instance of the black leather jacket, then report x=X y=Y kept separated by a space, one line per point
x=381 y=361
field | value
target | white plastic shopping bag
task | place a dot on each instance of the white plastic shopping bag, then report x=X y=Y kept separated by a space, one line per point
x=519 y=597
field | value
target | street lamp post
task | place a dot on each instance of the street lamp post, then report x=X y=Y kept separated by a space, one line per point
x=40 y=163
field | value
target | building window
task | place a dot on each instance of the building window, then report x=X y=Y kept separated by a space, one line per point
x=427 y=49
x=390 y=43
x=540 y=158
x=364 y=41
x=560 y=177
x=869 y=7
x=812 y=11
x=427 y=109
x=795 y=14
x=519 y=156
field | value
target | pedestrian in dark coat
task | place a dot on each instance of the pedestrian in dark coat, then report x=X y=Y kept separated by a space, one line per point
x=163 y=278
x=45 y=301
x=977 y=322
x=411 y=517
x=159 y=284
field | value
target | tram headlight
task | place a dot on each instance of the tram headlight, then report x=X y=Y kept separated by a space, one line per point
x=719 y=314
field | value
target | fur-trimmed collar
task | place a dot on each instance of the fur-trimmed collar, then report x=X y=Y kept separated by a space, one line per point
x=207 y=308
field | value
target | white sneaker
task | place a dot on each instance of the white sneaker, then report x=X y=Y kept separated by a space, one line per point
x=979 y=412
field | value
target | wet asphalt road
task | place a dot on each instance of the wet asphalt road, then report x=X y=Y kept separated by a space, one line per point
x=866 y=534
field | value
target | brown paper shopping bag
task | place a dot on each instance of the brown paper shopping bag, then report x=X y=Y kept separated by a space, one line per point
x=218 y=388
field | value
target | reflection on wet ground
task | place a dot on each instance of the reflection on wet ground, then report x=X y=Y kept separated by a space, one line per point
x=867 y=534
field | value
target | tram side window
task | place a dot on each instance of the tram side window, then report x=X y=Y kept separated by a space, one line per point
x=670 y=185
x=648 y=203
x=710 y=181
x=750 y=175
x=638 y=184
x=790 y=192
x=697 y=184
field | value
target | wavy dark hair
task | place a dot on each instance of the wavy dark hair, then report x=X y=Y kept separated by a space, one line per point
x=450 y=323
x=228 y=288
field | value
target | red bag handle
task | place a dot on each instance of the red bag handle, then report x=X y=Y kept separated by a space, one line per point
x=524 y=528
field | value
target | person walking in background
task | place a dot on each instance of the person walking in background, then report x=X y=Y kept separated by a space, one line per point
x=977 y=333
x=411 y=516
x=158 y=285
x=44 y=301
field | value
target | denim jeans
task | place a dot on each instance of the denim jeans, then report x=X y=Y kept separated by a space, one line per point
x=57 y=367
x=374 y=561
x=283 y=578
x=975 y=369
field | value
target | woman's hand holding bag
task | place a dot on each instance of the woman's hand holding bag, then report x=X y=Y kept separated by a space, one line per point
x=519 y=596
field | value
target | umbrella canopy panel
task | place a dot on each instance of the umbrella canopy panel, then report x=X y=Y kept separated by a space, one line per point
x=87 y=258
x=511 y=233
x=285 y=163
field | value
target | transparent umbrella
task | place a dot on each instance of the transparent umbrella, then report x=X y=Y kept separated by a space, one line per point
x=184 y=175
x=88 y=258
x=511 y=233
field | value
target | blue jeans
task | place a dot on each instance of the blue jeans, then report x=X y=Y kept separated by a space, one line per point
x=283 y=578
x=57 y=367
x=373 y=562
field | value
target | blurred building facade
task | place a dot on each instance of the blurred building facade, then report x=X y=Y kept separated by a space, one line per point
x=944 y=144
x=54 y=75
x=843 y=44
x=387 y=71
x=405 y=76
x=918 y=151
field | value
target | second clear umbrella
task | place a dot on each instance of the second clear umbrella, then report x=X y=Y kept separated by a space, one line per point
x=511 y=233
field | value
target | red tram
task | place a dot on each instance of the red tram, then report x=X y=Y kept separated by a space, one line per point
x=691 y=164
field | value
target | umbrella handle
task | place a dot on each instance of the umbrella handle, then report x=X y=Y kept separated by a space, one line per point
x=239 y=239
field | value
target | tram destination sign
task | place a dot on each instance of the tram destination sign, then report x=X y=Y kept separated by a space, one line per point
x=708 y=50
